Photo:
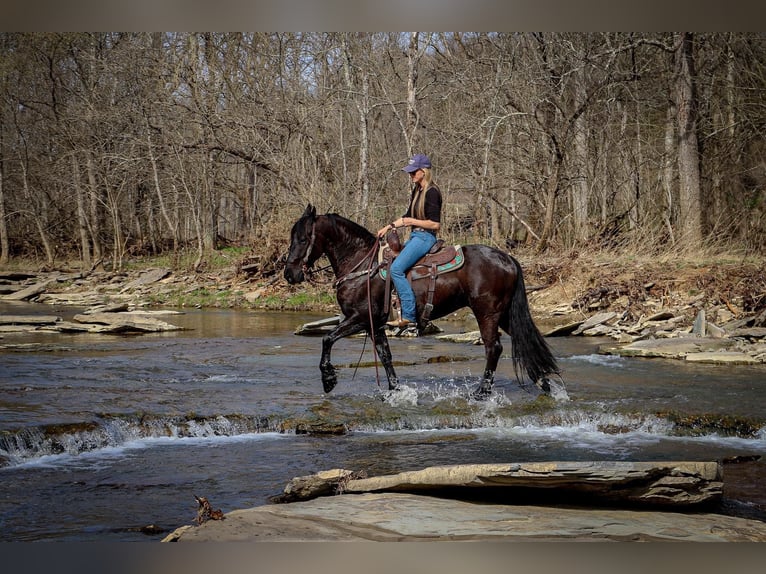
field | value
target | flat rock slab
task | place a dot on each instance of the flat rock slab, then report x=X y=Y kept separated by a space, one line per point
x=722 y=357
x=471 y=337
x=409 y=517
x=28 y=319
x=124 y=322
x=28 y=292
x=147 y=278
x=677 y=348
x=679 y=484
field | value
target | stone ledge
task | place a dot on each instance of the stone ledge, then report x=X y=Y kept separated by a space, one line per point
x=393 y=517
x=680 y=484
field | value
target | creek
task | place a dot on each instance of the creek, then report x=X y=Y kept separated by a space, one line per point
x=103 y=436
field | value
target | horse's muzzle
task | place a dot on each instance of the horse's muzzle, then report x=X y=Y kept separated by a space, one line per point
x=294 y=275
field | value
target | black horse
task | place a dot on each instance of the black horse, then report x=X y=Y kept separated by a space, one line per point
x=490 y=282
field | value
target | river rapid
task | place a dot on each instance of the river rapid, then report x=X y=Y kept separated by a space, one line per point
x=109 y=438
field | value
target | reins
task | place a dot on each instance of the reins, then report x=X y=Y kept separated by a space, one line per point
x=369 y=272
x=369 y=309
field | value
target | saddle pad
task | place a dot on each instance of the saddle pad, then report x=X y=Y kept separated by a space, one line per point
x=420 y=271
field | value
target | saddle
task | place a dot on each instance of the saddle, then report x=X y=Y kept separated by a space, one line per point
x=439 y=260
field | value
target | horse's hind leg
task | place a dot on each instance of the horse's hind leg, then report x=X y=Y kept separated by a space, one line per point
x=384 y=354
x=492 y=351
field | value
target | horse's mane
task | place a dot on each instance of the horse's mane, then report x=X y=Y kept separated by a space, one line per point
x=353 y=229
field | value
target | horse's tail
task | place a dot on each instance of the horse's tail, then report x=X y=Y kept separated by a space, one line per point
x=531 y=352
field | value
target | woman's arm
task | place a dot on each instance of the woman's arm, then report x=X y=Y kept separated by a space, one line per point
x=412 y=222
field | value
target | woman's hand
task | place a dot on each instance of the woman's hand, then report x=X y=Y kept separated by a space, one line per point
x=383 y=230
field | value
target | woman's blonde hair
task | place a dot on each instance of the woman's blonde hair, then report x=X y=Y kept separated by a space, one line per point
x=418 y=205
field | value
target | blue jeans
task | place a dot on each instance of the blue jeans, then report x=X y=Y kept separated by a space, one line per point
x=419 y=243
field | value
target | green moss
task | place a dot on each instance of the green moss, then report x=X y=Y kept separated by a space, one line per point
x=712 y=423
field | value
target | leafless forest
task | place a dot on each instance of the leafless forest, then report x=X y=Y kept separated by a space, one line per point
x=122 y=145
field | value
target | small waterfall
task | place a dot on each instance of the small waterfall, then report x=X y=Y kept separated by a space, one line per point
x=34 y=443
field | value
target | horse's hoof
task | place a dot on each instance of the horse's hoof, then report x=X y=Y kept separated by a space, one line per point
x=329 y=384
x=482 y=393
x=544 y=385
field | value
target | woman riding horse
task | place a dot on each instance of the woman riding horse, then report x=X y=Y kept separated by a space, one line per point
x=490 y=282
x=424 y=216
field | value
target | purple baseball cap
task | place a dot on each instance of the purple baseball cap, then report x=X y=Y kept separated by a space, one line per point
x=417 y=161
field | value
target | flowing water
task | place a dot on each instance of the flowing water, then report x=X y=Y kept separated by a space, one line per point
x=103 y=436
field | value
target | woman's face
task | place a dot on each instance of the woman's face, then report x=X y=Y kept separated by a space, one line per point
x=417 y=176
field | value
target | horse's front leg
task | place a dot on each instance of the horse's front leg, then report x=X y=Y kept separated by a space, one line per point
x=346 y=328
x=384 y=354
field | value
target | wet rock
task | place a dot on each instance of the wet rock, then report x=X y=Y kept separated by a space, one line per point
x=722 y=357
x=124 y=323
x=677 y=348
x=471 y=337
x=29 y=320
x=320 y=327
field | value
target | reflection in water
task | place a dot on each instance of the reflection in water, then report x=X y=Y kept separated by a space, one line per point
x=109 y=433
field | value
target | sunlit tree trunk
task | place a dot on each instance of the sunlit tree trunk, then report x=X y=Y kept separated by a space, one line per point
x=689 y=213
x=413 y=56
x=361 y=98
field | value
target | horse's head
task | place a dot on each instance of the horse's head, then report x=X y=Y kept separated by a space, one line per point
x=302 y=254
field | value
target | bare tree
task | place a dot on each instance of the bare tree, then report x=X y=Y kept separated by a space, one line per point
x=689 y=212
x=120 y=143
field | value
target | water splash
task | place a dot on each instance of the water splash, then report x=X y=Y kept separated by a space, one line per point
x=600 y=360
x=554 y=387
x=403 y=396
x=558 y=392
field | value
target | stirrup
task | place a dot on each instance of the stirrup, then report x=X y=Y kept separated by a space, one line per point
x=400 y=323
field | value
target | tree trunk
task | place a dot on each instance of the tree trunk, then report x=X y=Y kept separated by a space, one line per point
x=95 y=207
x=668 y=172
x=581 y=185
x=412 y=80
x=82 y=219
x=39 y=216
x=551 y=193
x=363 y=110
x=4 y=246
x=690 y=213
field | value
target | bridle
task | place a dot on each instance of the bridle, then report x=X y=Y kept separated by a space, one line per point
x=304 y=262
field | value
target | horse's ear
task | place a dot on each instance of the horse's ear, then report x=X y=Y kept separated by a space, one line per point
x=311 y=211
